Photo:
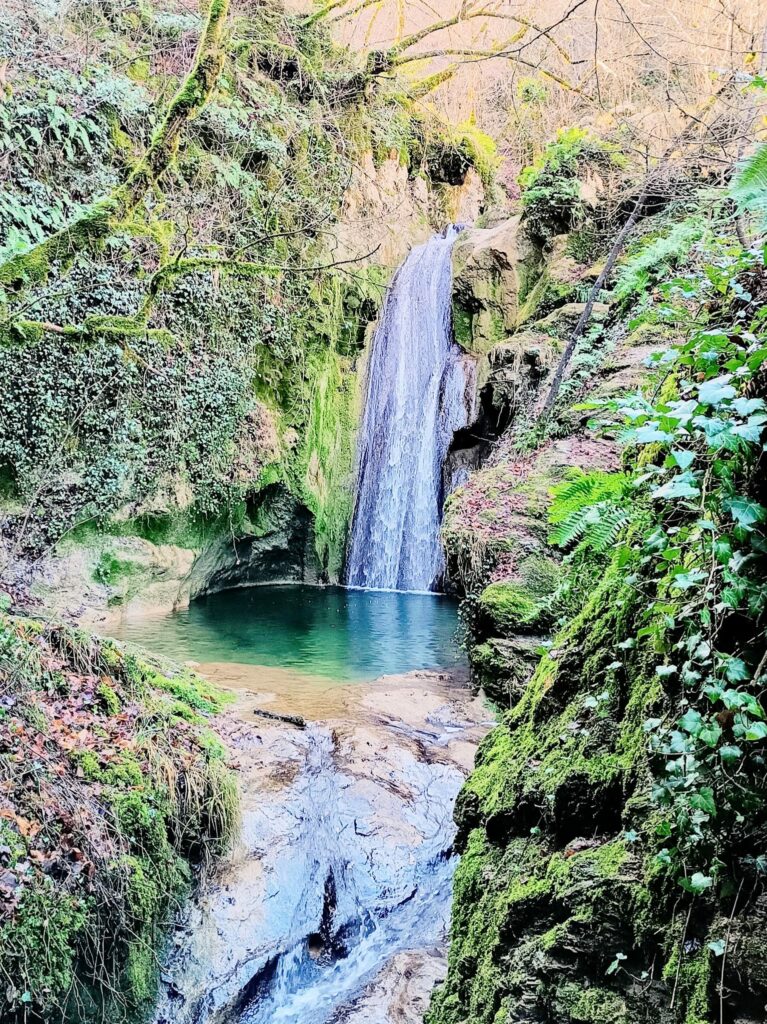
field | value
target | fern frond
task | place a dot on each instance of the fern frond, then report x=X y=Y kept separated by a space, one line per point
x=750 y=183
x=595 y=527
x=604 y=531
x=584 y=489
x=570 y=529
x=749 y=187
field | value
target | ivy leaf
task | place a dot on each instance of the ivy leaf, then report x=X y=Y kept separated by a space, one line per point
x=650 y=434
x=683 y=459
x=664 y=671
x=691 y=721
x=682 y=486
x=730 y=752
x=722 y=550
x=704 y=801
x=736 y=670
x=756 y=731
x=745 y=512
x=749 y=432
x=746 y=406
x=697 y=883
x=710 y=734
x=687 y=580
x=717 y=946
x=716 y=391
x=615 y=965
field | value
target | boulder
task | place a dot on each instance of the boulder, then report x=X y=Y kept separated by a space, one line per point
x=494 y=270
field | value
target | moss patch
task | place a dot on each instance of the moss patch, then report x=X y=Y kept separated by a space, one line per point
x=131 y=791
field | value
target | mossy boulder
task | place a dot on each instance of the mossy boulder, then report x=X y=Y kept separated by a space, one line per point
x=510 y=378
x=494 y=269
x=520 y=604
x=561 y=322
x=509 y=606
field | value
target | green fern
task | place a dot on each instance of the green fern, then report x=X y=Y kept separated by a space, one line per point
x=589 y=510
x=656 y=257
x=581 y=489
x=596 y=527
x=749 y=187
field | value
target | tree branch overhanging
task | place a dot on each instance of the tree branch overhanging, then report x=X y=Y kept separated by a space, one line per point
x=104 y=215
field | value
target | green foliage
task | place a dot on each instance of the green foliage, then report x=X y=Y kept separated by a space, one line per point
x=703 y=557
x=180 y=417
x=54 y=151
x=37 y=944
x=111 y=570
x=522 y=604
x=481 y=149
x=749 y=187
x=551 y=190
x=656 y=257
x=589 y=510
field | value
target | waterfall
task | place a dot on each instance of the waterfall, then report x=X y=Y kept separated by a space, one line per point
x=415 y=401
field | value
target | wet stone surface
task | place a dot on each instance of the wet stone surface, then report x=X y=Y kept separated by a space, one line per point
x=334 y=907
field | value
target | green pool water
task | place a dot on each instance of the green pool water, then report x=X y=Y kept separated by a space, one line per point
x=331 y=632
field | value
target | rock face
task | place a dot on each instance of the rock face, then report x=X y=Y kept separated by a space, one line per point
x=495 y=535
x=93 y=583
x=111 y=576
x=563 y=912
x=281 y=551
x=494 y=271
x=386 y=211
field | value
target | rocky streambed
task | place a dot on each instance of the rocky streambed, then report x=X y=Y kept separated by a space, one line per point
x=334 y=906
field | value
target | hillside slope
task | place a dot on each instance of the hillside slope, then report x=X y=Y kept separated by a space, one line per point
x=613 y=564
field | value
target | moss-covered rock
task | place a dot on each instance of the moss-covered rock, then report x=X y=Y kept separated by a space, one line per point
x=494 y=270
x=519 y=604
x=549 y=890
x=130 y=795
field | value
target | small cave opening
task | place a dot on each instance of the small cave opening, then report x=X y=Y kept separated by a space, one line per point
x=276 y=546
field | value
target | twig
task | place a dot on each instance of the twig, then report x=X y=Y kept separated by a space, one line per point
x=724 y=954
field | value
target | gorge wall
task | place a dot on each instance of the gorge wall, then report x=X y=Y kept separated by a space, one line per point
x=609 y=859
x=206 y=352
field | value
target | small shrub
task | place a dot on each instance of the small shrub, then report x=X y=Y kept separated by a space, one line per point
x=551 y=190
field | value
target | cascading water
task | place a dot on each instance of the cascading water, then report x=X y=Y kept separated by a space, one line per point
x=416 y=400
